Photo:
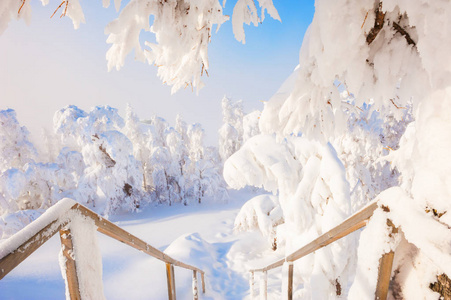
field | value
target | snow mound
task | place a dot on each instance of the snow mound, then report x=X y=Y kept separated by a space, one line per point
x=211 y=258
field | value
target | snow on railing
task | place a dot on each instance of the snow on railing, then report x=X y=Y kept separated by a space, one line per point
x=80 y=261
x=351 y=224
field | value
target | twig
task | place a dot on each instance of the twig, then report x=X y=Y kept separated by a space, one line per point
x=65 y=9
x=401 y=30
x=364 y=20
x=398 y=107
x=23 y=3
x=388 y=148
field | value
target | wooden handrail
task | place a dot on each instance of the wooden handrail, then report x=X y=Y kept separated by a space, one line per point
x=348 y=226
x=46 y=226
x=351 y=224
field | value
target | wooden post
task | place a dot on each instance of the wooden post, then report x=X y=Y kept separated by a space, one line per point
x=71 y=268
x=385 y=266
x=251 y=284
x=171 y=281
x=290 y=280
x=195 y=290
x=383 y=278
x=202 y=277
x=264 y=286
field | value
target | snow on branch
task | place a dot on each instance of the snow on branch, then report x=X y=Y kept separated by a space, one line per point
x=182 y=31
x=245 y=12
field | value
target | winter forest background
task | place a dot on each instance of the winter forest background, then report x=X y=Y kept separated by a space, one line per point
x=363 y=116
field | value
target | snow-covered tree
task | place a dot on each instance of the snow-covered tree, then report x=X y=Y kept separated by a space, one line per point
x=112 y=179
x=231 y=132
x=313 y=195
x=203 y=172
x=135 y=132
x=250 y=125
x=25 y=184
x=15 y=147
x=177 y=165
x=387 y=58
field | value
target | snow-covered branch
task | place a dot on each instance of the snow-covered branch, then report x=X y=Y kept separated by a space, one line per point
x=182 y=28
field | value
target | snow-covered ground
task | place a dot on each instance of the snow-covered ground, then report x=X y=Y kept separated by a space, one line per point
x=201 y=235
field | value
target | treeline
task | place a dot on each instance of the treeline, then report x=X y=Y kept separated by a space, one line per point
x=107 y=162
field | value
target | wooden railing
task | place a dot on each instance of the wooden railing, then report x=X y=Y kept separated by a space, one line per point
x=350 y=225
x=16 y=249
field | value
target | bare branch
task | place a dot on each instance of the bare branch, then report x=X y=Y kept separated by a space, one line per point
x=65 y=9
x=401 y=30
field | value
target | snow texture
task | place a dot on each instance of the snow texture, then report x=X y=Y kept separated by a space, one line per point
x=86 y=253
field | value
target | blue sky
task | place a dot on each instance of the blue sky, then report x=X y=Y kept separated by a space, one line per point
x=48 y=65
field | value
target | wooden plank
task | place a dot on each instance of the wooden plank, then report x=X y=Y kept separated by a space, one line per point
x=71 y=269
x=290 y=281
x=171 y=281
x=350 y=225
x=195 y=289
x=12 y=260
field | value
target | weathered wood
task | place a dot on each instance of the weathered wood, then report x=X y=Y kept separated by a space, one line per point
x=264 y=286
x=251 y=284
x=290 y=281
x=385 y=267
x=383 y=278
x=13 y=259
x=195 y=289
x=202 y=277
x=67 y=248
x=171 y=281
